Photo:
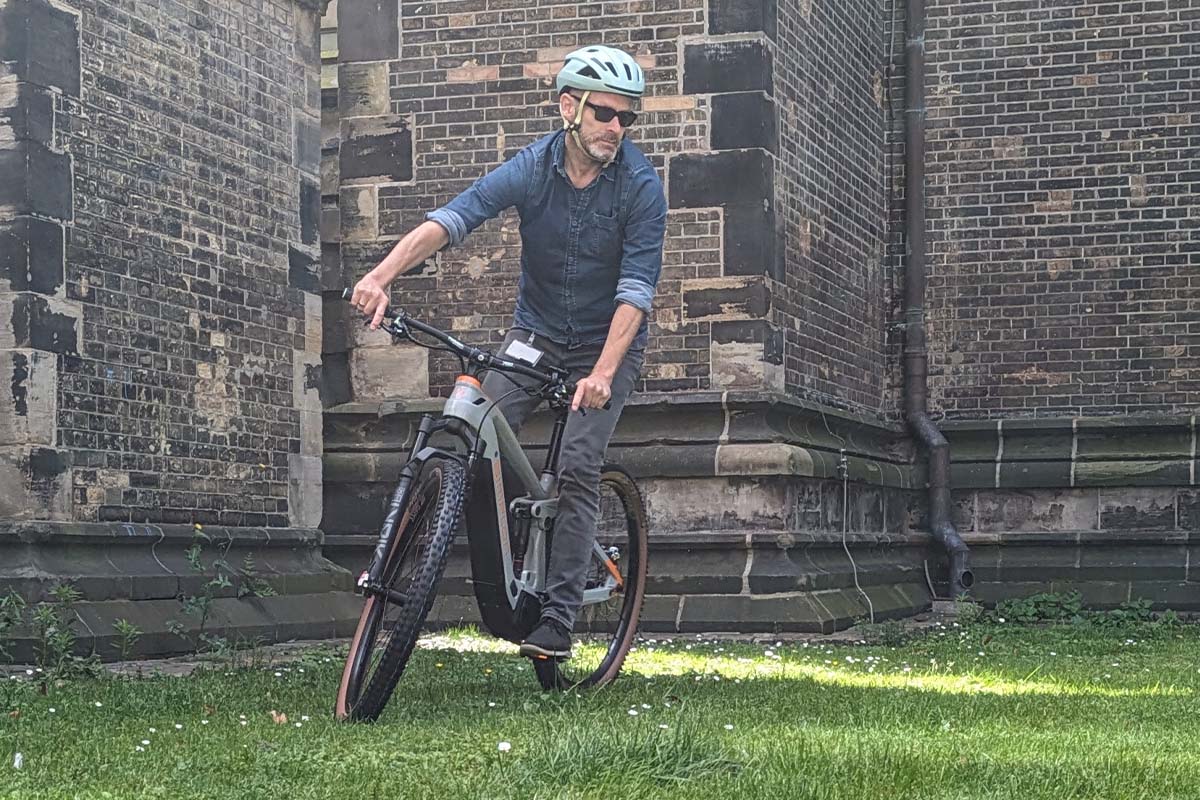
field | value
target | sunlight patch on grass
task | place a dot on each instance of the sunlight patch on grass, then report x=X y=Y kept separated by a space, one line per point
x=974 y=683
x=885 y=674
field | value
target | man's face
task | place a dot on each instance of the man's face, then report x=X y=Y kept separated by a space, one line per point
x=600 y=139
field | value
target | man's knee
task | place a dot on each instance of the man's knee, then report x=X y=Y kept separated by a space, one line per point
x=579 y=472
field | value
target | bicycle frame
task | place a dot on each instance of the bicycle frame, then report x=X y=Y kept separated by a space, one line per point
x=496 y=466
x=497 y=469
x=509 y=601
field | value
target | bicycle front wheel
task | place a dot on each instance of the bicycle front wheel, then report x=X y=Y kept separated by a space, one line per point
x=391 y=622
x=606 y=625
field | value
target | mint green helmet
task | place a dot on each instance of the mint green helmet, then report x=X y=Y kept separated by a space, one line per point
x=597 y=68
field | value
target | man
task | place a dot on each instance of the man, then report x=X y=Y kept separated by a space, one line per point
x=593 y=216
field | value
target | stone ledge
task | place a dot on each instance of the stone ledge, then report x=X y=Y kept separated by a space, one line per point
x=1072 y=538
x=815 y=612
x=1149 y=450
x=138 y=533
x=148 y=562
x=702 y=434
x=723 y=540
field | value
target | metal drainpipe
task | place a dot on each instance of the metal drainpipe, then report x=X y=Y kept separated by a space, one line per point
x=916 y=353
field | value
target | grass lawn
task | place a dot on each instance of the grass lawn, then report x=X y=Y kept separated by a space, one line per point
x=987 y=712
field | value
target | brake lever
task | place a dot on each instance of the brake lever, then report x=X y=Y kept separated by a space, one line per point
x=394 y=327
x=583 y=411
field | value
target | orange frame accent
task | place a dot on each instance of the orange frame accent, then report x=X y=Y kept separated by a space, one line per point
x=612 y=570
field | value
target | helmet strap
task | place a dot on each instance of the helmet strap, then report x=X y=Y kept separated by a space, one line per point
x=573 y=128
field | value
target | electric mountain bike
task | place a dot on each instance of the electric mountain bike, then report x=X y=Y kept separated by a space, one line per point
x=467 y=468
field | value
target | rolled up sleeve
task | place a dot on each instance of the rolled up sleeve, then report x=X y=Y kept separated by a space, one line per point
x=641 y=258
x=635 y=292
x=502 y=188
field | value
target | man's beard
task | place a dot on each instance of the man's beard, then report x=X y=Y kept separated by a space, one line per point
x=601 y=149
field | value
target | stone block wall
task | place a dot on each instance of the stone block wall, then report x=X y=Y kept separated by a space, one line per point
x=138 y=573
x=1058 y=283
x=160 y=322
x=39 y=71
x=748 y=531
x=1105 y=507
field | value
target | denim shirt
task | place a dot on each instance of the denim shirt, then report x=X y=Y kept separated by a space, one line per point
x=583 y=251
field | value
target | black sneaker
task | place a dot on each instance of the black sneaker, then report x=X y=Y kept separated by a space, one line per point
x=550 y=639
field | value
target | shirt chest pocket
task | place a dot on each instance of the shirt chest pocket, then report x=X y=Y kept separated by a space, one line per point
x=603 y=241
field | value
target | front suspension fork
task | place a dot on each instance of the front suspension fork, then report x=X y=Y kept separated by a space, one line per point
x=371 y=578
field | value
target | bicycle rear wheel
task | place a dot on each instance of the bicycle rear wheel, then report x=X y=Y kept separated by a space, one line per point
x=389 y=625
x=604 y=631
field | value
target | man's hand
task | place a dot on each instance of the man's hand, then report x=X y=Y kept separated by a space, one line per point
x=371 y=299
x=592 y=392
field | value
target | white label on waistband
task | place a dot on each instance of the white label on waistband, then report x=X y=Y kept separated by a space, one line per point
x=523 y=352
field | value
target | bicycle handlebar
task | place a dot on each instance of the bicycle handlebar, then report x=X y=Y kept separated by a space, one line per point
x=475 y=355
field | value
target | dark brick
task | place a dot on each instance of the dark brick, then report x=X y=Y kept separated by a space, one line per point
x=33 y=116
x=42 y=44
x=310 y=211
x=331 y=267
x=368 y=30
x=714 y=67
x=1189 y=512
x=1137 y=509
x=45 y=463
x=307 y=148
x=751 y=331
x=36 y=326
x=720 y=179
x=744 y=120
x=335 y=379
x=752 y=299
x=36 y=180
x=31 y=254
x=756 y=331
x=377 y=148
x=739 y=16
x=751 y=246
x=303 y=271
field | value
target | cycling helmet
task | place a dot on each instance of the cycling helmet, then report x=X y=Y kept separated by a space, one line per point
x=597 y=68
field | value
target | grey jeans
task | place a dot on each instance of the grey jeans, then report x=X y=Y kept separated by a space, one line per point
x=584 y=442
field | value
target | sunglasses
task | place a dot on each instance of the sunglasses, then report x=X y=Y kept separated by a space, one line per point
x=605 y=114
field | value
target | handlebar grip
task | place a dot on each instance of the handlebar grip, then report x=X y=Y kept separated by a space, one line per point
x=388 y=313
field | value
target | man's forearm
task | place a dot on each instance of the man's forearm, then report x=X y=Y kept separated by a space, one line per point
x=625 y=323
x=419 y=244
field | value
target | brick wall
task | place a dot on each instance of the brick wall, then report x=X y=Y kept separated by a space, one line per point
x=1062 y=190
x=828 y=82
x=174 y=243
